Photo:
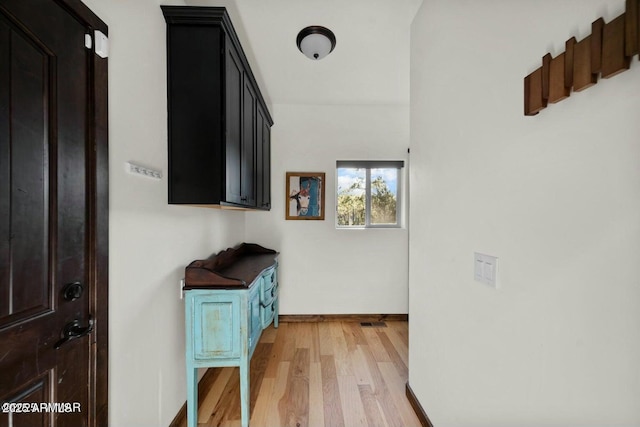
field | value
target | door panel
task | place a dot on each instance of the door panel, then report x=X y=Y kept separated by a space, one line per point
x=33 y=393
x=25 y=254
x=46 y=196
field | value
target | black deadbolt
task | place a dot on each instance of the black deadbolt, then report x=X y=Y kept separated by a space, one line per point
x=72 y=291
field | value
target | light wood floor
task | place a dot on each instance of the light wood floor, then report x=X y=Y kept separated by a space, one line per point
x=333 y=374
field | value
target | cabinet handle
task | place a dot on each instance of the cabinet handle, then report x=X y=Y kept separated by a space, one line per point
x=273 y=292
x=243 y=199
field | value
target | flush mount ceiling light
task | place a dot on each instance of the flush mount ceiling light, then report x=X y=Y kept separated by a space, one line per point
x=316 y=42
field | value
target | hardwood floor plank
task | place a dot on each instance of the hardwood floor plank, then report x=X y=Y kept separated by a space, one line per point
x=289 y=343
x=208 y=404
x=302 y=332
x=377 y=349
x=402 y=330
x=228 y=407
x=308 y=337
x=333 y=415
x=399 y=343
x=294 y=404
x=354 y=414
x=325 y=337
x=263 y=402
x=272 y=417
x=353 y=334
x=383 y=395
x=340 y=350
x=372 y=409
x=360 y=368
x=269 y=335
x=257 y=369
x=316 y=410
x=396 y=386
x=277 y=351
x=392 y=352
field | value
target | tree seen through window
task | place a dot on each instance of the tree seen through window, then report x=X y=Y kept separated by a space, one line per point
x=362 y=205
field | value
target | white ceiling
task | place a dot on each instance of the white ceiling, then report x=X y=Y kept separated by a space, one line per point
x=370 y=64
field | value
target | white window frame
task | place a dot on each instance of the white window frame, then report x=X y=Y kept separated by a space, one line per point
x=367 y=165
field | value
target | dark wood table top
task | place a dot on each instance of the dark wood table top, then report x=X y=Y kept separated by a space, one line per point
x=230 y=269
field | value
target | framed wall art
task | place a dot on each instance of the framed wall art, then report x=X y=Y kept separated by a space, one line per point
x=305 y=195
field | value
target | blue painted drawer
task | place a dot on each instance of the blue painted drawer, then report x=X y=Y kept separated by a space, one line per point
x=268 y=285
x=267 y=313
x=270 y=308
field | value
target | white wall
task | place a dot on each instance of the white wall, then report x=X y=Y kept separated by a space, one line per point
x=555 y=197
x=150 y=241
x=324 y=270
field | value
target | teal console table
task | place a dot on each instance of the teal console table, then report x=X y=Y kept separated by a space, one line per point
x=229 y=299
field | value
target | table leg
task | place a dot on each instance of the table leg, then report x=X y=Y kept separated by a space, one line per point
x=275 y=315
x=244 y=392
x=192 y=396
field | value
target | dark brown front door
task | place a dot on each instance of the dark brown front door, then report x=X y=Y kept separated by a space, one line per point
x=50 y=224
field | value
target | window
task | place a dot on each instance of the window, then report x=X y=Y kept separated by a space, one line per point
x=368 y=194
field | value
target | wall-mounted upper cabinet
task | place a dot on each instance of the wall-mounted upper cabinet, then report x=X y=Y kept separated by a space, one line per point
x=219 y=124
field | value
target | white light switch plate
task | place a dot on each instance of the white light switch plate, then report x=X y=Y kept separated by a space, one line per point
x=485 y=268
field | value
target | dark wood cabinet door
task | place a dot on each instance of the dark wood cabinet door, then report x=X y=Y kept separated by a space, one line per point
x=48 y=202
x=234 y=93
x=263 y=154
x=248 y=157
x=195 y=109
